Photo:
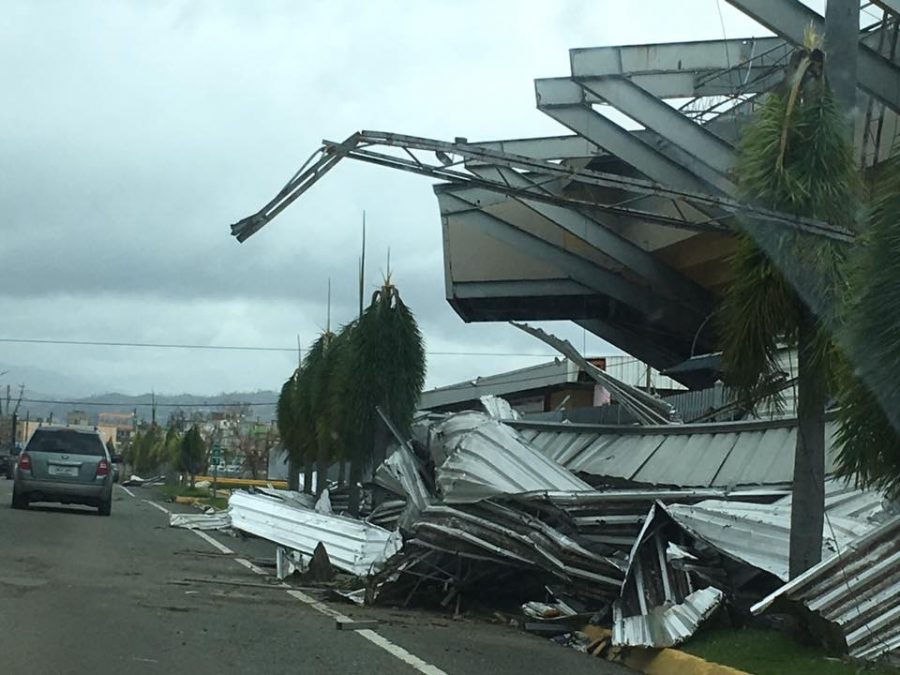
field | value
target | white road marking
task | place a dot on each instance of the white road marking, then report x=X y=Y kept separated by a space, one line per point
x=253 y=568
x=399 y=652
x=129 y=492
x=157 y=506
x=375 y=638
x=222 y=547
x=318 y=606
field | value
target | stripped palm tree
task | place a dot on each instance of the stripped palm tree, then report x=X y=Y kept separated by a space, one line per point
x=869 y=417
x=794 y=157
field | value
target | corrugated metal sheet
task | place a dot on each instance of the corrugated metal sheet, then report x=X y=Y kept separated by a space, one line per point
x=496 y=532
x=659 y=606
x=353 y=545
x=219 y=520
x=484 y=458
x=669 y=625
x=759 y=534
x=724 y=454
x=858 y=591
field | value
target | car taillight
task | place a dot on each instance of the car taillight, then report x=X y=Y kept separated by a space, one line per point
x=24 y=462
x=102 y=468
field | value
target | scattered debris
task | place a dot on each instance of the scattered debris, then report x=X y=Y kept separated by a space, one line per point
x=137 y=481
x=856 y=592
x=353 y=546
x=323 y=503
x=218 y=520
x=498 y=408
x=288 y=562
x=489 y=511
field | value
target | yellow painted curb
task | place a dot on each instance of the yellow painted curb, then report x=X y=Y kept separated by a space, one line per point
x=673 y=662
x=653 y=661
x=223 y=482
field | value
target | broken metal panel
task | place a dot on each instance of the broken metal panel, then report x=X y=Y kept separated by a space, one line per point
x=498 y=408
x=759 y=534
x=500 y=533
x=857 y=590
x=734 y=453
x=479 y=457
x=659 y=605
x=219 y=520
x=353 y=546
x=401 y=473
x=670 y=625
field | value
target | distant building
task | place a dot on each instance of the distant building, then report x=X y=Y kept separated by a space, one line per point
x=123 y=423
x=77 y=418
x=556 y=385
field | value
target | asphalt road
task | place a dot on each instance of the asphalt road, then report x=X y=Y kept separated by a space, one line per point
x=80 y=593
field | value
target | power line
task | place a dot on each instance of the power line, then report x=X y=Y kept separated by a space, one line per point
x=292 y=350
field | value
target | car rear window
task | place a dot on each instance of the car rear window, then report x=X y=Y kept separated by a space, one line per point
x=66 y=442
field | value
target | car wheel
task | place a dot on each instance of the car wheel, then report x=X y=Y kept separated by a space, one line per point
x=105 y=507
x=19 y=501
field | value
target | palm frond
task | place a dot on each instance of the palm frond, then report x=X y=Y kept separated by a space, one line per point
x=793 y=158
x=869 y=435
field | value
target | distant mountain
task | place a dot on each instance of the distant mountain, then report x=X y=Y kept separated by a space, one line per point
x=261 y=404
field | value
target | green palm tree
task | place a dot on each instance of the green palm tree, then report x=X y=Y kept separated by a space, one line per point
x=382 y=365
x=293 y=427
x=869 y=417
x=794 y=157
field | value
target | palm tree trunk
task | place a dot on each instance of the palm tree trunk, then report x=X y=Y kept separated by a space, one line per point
x=307 y=476
x=293 y=474
x=355 y=496
x=808 y=507
x=321 y=469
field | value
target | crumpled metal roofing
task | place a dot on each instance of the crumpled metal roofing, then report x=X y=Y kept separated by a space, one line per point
x=353 y=545
x=219 y=520
x=759 y=534
x=666 y=625
x=495 y=532
x=687 y=455
x=478 y=457
x=498 y=408
x=400 y=473
x=857 y=590
x=659 y=604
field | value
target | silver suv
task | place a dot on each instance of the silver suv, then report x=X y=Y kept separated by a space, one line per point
x=64 y=465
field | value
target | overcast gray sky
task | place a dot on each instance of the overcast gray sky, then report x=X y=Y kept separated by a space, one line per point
x=132 y=134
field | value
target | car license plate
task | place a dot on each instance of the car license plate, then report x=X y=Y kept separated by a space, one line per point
x=70 y=471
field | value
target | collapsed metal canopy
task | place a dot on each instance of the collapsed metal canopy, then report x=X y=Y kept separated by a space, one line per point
x=621 y=227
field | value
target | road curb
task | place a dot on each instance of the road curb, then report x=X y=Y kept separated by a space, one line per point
x=673 y=662
x=666 y=661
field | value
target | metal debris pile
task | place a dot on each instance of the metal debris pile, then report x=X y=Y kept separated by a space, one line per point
x=481 y=516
